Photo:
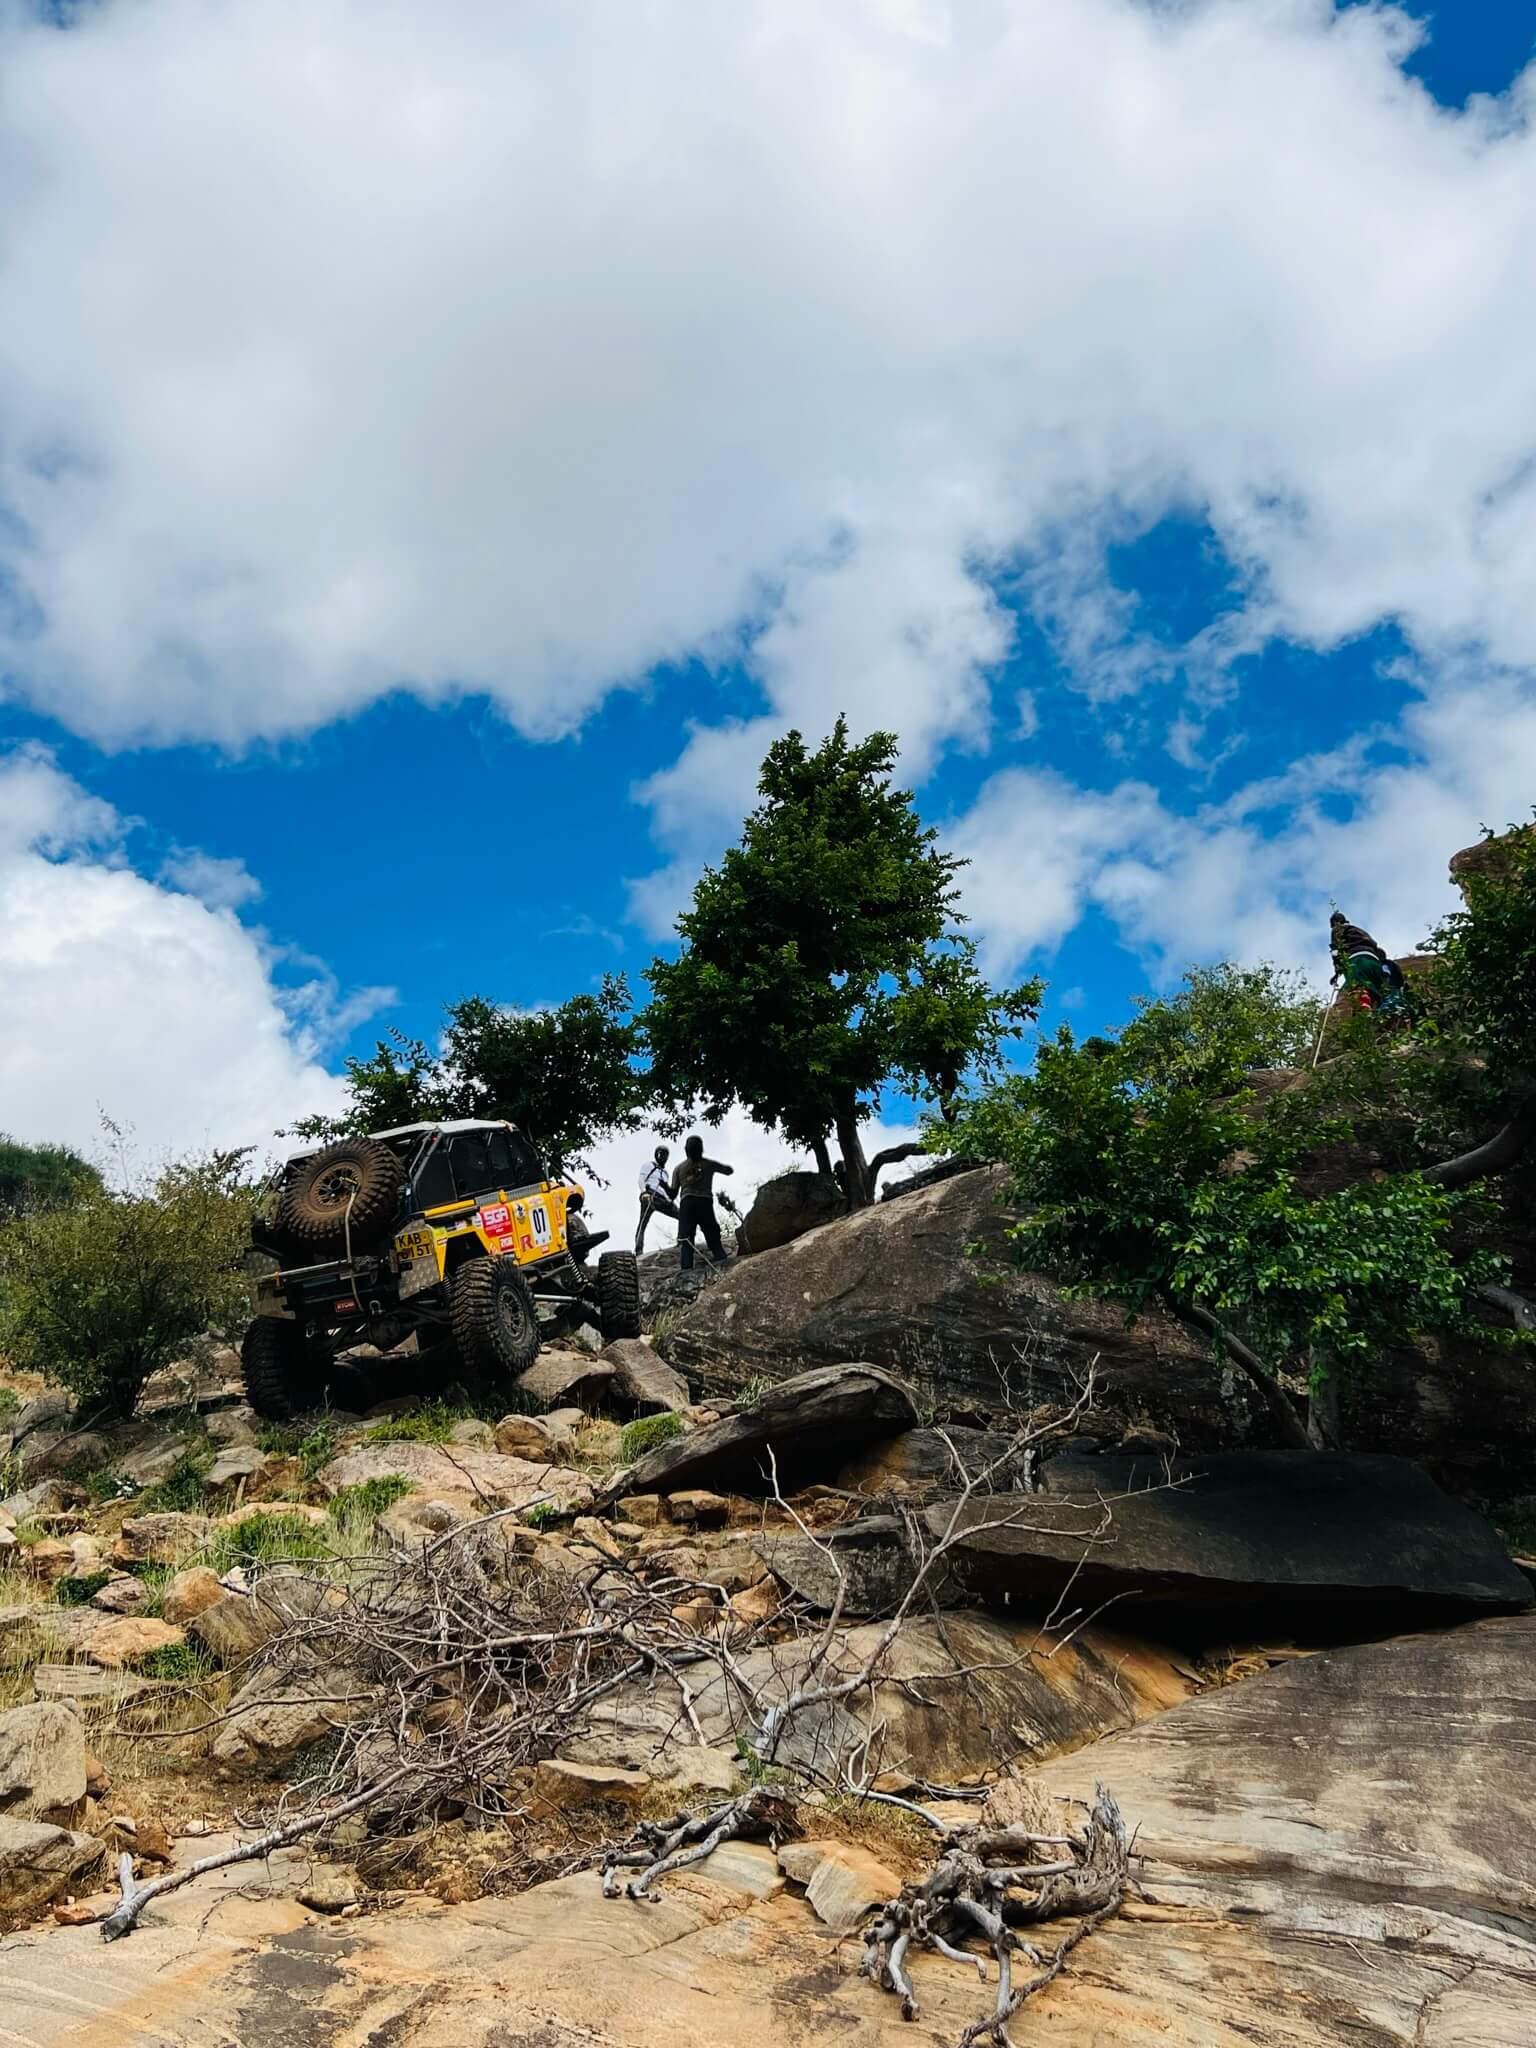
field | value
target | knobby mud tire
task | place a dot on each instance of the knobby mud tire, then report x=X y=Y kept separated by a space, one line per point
x=618 y=1296
x=283 y=1378
x=495 y=1322
x=314 y=1214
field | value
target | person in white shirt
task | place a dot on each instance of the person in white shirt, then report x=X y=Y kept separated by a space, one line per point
x=655 y=1195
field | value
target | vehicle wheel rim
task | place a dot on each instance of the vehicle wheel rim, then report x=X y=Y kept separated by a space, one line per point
x=336 y=1188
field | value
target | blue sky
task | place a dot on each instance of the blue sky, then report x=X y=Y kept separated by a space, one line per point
x=1179 y=647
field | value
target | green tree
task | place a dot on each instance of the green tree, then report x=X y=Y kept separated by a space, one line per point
x=1150 y=1170
x=568 y=1076
x=821 y=962
x=38 y=1176
x=100 y=1292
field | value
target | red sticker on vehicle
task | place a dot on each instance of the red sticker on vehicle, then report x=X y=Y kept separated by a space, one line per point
x=495 y=1218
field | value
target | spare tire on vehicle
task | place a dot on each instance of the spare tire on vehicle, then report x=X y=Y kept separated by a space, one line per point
x=618 y=1296
x=350 y=1192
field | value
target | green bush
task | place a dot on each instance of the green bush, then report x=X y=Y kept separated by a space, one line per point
x=266 y=1539
x=542 y=1515
x=10 y=1401
x=313 y=1443
x=98 y=1293
x=79 y=1589
x=431 y=1423
x=182 y=1663
x=356 y=1506
x=651 y=1430
x=181 y=1490
x=105 y=1485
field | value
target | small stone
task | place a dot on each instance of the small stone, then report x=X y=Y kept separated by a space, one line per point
x=626 y=1532
x=565 y=1785
x=190 y=1592
x=97 y=1783
x=644 y=1508
x=152 y=1841
x=701 y=1770
x=159 y=1539
x=588 y=1529
x=238 y=1461
x=847 y=1884
x=524 y=1436
x=757 y=1604
x=49 y=1560
x=150 y=1463
x=744 y=1867
x=800 y=1861
x=330 y=1895
x=698 y=1615
x=231 y=1426
x=471 y=1430
x=126 y=1640
x=122 y=1595
x=563 y=1423
x=696 y=1509
x=71 y=1914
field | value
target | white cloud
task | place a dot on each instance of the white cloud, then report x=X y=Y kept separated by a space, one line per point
x=517 y=349
x=1370 y=826
x=222 y=882
x=123 y=996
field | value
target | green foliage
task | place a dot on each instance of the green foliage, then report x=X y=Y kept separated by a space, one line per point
x=313 y=1443
x=98 y=1294
x=820 y=960
x=10 y=1401
x=645 y=1434
x=178 y=1663
x=42 y=1176
x=266 y=1539
x=181 y=1490
x=105 y=1485
x=431 y=1423
x=358 y=1505
x=79 y=1589
x=1486 y=967
x=1148 y=1173
x=542 y=1515
x=567 y=1076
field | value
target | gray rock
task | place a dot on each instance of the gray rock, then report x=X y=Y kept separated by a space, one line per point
x=568 y=1378
x=868 y=1559
x=42 y=1764
x=786 y=1207
x=447 y=1469
x=926 y=1460
x=168 y=1538
x=149 y=1463
x=810 y=1424
x=50 y=1411
x=643 y=1380
x=238 y=1461
x=38 y=1862
x=230 y=1426
x=1322 y=1542
x=122 y=1595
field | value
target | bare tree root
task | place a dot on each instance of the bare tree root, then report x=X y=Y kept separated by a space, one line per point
x=988 y=1882
x=659 y=1847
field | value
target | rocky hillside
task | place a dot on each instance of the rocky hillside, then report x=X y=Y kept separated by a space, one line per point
x=1217 y=1741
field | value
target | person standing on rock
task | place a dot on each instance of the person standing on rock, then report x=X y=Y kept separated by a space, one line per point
x=694 y=1186
x=1363 y=966
x=655 y=1195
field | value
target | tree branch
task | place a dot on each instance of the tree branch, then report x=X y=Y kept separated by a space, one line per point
x=1497 y=1155
x=1281 y=1413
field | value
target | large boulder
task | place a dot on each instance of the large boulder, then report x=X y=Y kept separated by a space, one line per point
x=643 y=1380
x=809 y=1424
x=866 y=1566
x=928 y=1460
x=38 y=1861
x=897 y=1284
x=786 y=1207
x=1319 y=1542
x=42 y=1764
x=490 y=1477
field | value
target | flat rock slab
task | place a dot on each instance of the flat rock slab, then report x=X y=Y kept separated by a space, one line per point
x=643 y=1380
x=929 y=1460
x=807 y=1426
x=867 y=1562
x=1321 y=1542
x=490 y=1476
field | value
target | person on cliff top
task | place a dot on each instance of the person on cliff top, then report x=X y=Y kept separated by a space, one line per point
x=694 y=1186
x=655 y=1196
x=1364 y=967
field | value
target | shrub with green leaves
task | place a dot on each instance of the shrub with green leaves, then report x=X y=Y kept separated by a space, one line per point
x=98 y=1293
x=79 y=1589
x=266 y=1539
x=649 y=1431
x=431 y=1423
x=357 y=1506
x=181 y=1490
x=177 y=1663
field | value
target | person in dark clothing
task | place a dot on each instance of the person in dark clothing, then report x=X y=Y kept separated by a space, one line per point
x=693 y=1184
x=1363 y=966
x=655 y=1196
x=577 y=1229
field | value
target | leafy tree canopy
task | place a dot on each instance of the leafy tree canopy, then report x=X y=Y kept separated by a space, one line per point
x=39 y=1176
x=821 y=961
x=567 y=1076
x=98 y=1293
x=1149 y=1173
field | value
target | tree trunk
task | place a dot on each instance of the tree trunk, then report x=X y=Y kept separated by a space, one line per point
x=854 y=1165
x=1287 y=1422
x=1501 y=1152
x=822 y=1157
x=1324 y=1418
x=891 y=1156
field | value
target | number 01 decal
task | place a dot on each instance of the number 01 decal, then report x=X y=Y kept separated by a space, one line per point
x=538 y=1216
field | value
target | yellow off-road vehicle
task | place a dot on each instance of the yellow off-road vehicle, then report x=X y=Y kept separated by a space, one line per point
x=450 y=1231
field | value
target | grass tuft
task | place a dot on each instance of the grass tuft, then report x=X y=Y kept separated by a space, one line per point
x=357 y=1506
x=183 y=1663
x=431 y=1423
x=180 y=1492
x=651 y=1430
x=266 y=1539
x=78 y=1590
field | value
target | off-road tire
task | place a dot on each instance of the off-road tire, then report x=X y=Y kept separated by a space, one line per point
x=283 y=1376
x=313 y=1213
x=618 y=1296
x=495 y=1322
